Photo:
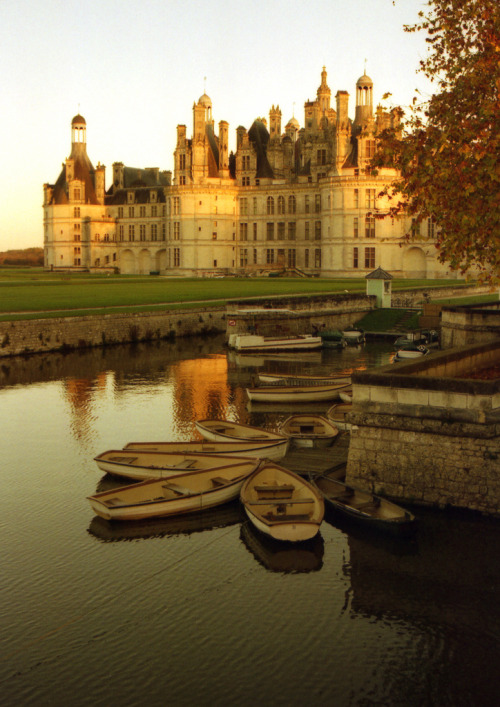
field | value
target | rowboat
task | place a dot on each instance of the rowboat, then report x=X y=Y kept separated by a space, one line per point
x=227 y=431
x=291 y=378
x=346 y=395
x=333 y=339
x=295 y=393
x=140 y=465
x=255 y=342
x=354 y=335
x=281 y=504
x=187 y=493
x=411 y=351
x=363 y=506
x=271 y=449
x=309 y=430
x=337 y=414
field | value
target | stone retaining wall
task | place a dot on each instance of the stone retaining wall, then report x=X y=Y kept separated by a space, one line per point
x=421 y=435
x=66 y=333
x=469 y=325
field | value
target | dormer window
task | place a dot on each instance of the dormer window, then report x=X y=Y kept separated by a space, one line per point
x=130 y=197
x=152 y=197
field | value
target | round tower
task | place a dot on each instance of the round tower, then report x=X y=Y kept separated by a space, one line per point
x=364 y=99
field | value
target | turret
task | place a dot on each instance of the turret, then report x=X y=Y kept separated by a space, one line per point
x=364 y=99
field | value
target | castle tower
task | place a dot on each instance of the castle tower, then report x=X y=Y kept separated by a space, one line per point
x=364 y=99
x=223 y=149
x=275 y=122
x=78 y=135
x=324 y=93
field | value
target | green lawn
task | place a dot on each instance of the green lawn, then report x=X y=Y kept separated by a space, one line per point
x=24 y=292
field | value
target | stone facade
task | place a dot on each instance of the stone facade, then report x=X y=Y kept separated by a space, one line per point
x=298 y=198
x=423 y=432
x=470 y=325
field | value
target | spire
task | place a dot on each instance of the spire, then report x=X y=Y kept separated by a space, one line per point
x=324 y=93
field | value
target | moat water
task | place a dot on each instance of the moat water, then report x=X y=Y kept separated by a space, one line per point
x=202 y=610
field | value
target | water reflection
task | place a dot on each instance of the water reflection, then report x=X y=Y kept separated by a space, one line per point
x=281 y=556
x=221 y=517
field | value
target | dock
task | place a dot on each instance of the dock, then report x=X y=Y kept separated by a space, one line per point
x=319 y=460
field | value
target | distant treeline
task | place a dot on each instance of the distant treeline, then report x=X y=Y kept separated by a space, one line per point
x=26 y=258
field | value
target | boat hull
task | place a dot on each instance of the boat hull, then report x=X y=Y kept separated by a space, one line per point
x=259 y=450
x=309 y=430
x=225 y=430
x=252 y=342
x=283 y=394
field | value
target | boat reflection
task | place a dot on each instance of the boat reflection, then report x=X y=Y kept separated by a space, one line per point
x=281 y=556
x=220 y=517
x=260 y=359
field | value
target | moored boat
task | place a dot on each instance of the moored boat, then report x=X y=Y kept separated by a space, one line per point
x=186 y=493
x=337 y=414
x=266 y=449
x=255 y=342
x=226 y=430
x=354 y=335
x=411 y=350
x=333 y=339
x=291 y=378
x=363 y=506
x=346 y=395
x=295 y=393
x=281 y=504
x=309 y=430
x=140 y=465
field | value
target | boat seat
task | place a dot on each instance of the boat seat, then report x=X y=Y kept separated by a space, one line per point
x=219 y=481
x=179 y=490
x=374 y=503
x=274 y=491
x=288 y=516
x=279 y=501
x=186 y=464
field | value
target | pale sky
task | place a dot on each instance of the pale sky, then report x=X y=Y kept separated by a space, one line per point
x=134 y=70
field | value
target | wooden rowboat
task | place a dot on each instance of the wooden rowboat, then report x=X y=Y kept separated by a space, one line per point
x=297 y=394
x=337 y=414
x=346 y=395
x=272 y=449
x=140 y=465
x=281 y=504
x=363 y=506
x=187 y=493
x=309 y=430
x=290 y=379
x=226 y=431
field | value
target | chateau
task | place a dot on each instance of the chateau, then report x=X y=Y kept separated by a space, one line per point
x=293 y=199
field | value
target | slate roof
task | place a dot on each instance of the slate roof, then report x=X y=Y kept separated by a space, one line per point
x=379 y=274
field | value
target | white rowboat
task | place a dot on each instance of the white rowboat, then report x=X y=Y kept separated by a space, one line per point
x=140 y=465
x=226 y=431
x=291 y=378
x=270 y=449
x=296 y=393
x=187 y=493
x=281 y=504
x=254 y=342
x=309 y=430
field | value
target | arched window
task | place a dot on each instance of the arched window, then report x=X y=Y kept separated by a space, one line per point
x=270 y=205
x=281 y=204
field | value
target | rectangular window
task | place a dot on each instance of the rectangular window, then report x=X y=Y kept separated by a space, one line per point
x=292 y=230
x=281 y=231
x=369 y=149
x=176 y=205
x=243 y=207
x=182 y=180
x=292 y=258
x=255 y=205
x=355 y=227
x=307 y=230
x=142 y=232
x=154 y=231
x=321 y=156
x=306 y=258
x=254 y=231
x=120 y=212
x=163 y=231
x=243 y=257
x=269 y=256
x=356 y=198
x=270 y=232
x=430 y=227
x=255 y=256
x=370 y=227
x=131 y=212
x=243 y=231
x=76 y=212
x=154 y=211
x=317 y=203
x=306 y=204
x=131 y=233
x=281 y=257
x=177 y=230
x=355 y=258
x=142 y=212
x=182 y=161
x=121 y=230
x=77 y=194
x=369 y=257
x=317 y=230
x=177 y=257
x=317 y=258
x=370 y=198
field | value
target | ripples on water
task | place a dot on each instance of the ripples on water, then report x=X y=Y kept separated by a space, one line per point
x=204 y=610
